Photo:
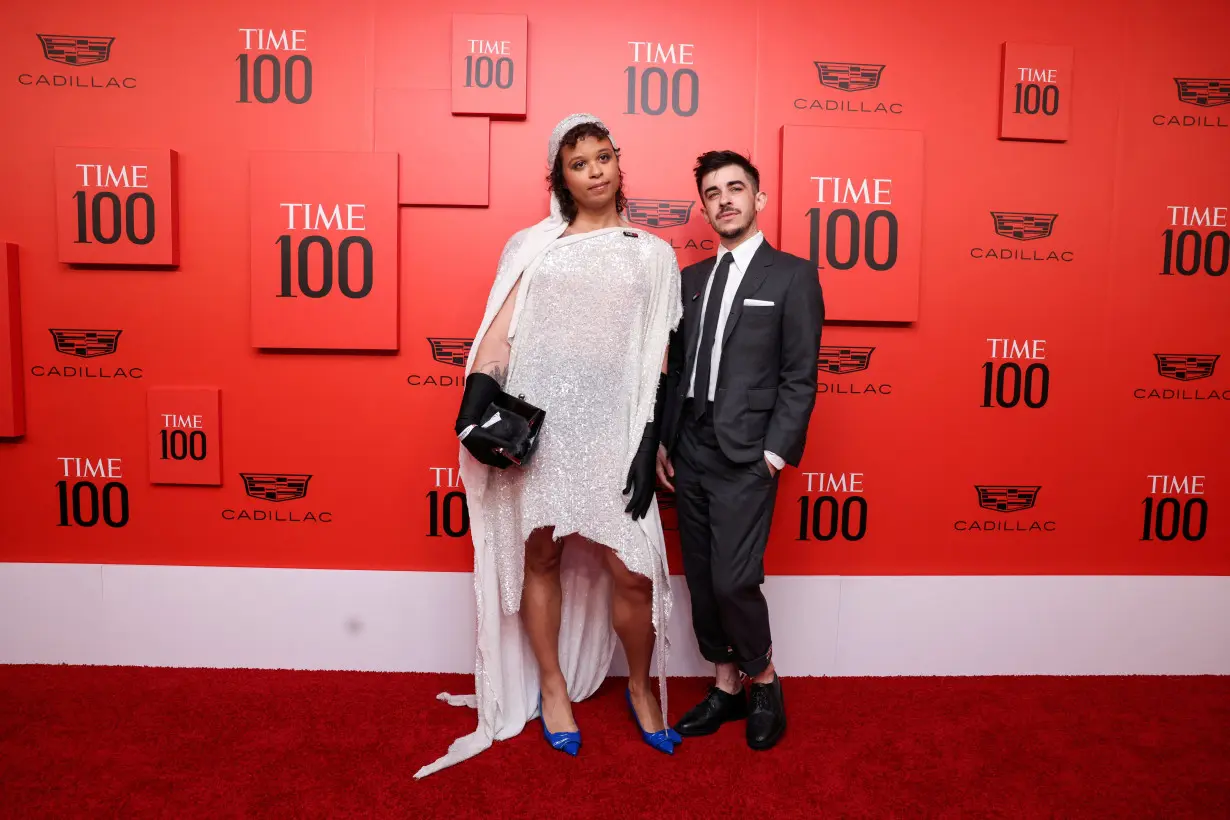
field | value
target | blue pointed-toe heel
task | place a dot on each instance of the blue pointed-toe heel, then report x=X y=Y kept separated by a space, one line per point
x=567 y=742
x=663 y=741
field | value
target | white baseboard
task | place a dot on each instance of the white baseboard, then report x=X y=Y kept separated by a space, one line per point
x=424 y=621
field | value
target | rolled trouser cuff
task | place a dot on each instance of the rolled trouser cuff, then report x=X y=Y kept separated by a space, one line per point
x=726 y=655
x=755 y=666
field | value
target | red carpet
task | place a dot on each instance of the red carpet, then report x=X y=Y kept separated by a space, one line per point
x=129 y=742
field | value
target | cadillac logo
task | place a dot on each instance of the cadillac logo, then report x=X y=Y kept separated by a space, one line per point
x=849 y=76
x=1023 y=226
x=660 y=213
x=450 y=351
x=1002 y=498
x=1206 y=93
x=842 y=360
x=1186 y=367
x=76 y=50
x=86 y=344
x=274 y=487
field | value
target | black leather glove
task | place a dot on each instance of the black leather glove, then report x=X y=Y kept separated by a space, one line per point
x=479 y=391
x=642 y=474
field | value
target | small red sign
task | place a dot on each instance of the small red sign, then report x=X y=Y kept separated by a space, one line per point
x=117 y=206
x=490 y=64
x=12 y=382
x=1036 y=97
x=324 y=251
x=185 y=438
x=852 y=203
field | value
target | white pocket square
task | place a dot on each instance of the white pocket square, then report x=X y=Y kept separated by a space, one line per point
x=756 y=303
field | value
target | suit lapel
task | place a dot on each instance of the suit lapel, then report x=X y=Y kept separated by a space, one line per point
x=694 y=308
x=762 y=260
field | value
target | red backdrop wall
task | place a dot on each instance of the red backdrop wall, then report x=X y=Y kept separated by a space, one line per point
x=923 y=457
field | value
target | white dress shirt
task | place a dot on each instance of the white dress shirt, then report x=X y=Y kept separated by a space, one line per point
x=734 y=277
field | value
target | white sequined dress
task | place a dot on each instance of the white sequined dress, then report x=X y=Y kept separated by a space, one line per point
x=576 y=353
x=589 y=333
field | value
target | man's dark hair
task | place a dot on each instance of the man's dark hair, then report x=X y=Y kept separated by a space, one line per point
x=559 y=187
x=711 y=161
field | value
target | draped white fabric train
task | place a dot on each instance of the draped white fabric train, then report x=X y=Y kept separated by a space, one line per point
x=506 y=675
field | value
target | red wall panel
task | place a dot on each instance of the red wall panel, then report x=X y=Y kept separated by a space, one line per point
x=852 y=202
x=12 y=380
x=184 y=435
x=1032 y=361
x=490 y=56
x=117 y=207
x=324 y=251
x=1036 y=95
x=417 y=124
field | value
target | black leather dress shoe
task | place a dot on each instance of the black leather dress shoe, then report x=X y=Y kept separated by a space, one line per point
x=766 y=720
x=717 y=708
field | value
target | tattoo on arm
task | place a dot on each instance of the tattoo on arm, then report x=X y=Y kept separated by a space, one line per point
x=495 y=370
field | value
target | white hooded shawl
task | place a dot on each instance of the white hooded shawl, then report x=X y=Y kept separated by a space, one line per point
x=505 y=672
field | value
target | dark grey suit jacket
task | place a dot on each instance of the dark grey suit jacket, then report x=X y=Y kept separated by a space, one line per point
x=766 y=381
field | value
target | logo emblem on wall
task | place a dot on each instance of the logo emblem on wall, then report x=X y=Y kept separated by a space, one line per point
x=1016 y=371
x=1201 y=92
x=86 y=344
x=1175 y=507
x=280 y=67
x=660 y=213
x=447 y=350
x=667 y=213
x=1184 y=367
x=1006 y=499
x=92 y=491
x=848 y=78
x=1023 y=226
x=843 y=359
x=657 y=82
x=835 y=504
x=1195 y=241
x=448 y=514
x=451 y=351
x=270 y=487
x=836 y=360
x=1206 y=92
x=276 y=488
x=75 y=51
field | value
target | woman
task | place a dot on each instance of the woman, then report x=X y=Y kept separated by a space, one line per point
x=568 y=549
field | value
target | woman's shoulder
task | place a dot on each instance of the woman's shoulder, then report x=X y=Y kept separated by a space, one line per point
x=656 y=247
x=515 y=241
x=512 y=246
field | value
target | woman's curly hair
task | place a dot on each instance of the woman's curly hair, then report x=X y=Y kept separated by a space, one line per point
x=558 y=185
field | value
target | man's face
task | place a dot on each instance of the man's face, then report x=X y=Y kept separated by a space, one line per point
x=731 y=201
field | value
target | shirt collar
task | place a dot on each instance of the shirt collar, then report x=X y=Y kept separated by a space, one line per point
x=745 y=252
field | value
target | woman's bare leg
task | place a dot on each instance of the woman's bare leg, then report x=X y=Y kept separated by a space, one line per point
x=540 y=614
x=632 y=616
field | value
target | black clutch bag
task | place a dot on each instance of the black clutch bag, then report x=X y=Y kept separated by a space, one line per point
x=516 y=421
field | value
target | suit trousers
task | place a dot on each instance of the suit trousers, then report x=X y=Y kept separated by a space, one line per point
x=724 y=510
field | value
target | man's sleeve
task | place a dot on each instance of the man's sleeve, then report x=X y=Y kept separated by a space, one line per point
x=802 y=320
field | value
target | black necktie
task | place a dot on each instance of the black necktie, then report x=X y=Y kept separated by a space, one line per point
x=704 y=353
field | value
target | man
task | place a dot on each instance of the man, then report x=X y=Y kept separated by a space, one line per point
x=741 y=385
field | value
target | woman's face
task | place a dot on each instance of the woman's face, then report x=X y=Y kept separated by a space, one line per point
x=591 y=171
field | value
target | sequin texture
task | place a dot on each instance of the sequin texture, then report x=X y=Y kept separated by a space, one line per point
x=577 y=353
